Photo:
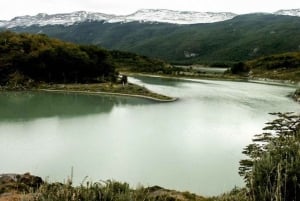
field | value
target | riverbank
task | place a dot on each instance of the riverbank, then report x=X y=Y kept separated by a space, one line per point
x=233 y=78
x=295 y=96
x=128 y=89
x=181 y=76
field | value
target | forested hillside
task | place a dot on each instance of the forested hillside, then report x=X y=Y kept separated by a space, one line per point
x=242 y=38
x=284 y=66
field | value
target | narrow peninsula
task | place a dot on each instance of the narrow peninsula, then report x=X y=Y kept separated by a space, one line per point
x=37 y=62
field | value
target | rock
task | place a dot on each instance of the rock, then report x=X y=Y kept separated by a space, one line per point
x=30 y=180
x=154 y=188
x=19 y=182
x=7 y=178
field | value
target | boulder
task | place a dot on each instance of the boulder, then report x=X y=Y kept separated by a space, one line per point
x=19 y=182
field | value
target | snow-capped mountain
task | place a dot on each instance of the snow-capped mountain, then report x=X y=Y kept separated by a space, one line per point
x=174 y=17
x=144 y=15
x=66 y=19
x=291 y=12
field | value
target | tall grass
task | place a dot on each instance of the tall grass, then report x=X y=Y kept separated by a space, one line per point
x=106 y=191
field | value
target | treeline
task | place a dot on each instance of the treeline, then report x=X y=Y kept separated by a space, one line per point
x=133 y=62
x=36 y=57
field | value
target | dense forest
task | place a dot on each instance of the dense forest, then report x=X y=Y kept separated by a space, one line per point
x=37 y=57
x=25 y=58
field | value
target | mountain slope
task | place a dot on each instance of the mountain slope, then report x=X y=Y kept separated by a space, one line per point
x=143 y=15
x=241 y=38
x=279 y=66
x=43 y=19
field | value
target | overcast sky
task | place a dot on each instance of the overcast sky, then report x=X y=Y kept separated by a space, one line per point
x=12 y=8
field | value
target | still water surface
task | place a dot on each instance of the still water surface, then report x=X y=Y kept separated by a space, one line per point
x=192 y=144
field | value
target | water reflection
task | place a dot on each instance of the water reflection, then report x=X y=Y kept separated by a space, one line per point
x=156 y=80
x=167 y=81
x=20 y=106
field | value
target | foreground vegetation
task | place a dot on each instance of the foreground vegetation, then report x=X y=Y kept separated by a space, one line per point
x=33 y=189
x=272 y=170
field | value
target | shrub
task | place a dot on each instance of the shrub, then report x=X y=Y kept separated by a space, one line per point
x=272 y=169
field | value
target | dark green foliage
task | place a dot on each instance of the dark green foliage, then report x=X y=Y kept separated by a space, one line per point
x=272 y=170
x=43 y=59
x=239 y=39
x=25 y=58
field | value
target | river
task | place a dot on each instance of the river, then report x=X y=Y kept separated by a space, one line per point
x=192 y=144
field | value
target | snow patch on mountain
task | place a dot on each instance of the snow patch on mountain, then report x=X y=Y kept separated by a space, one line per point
x=291 y=12
x=174 y=17
x=144 y=15
x=66 y=19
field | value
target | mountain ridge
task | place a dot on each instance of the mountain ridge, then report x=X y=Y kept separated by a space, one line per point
x=241 y=38
x=142 y=15
x=290 y=12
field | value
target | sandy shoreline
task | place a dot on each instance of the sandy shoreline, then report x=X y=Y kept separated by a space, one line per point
x=110 y=93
